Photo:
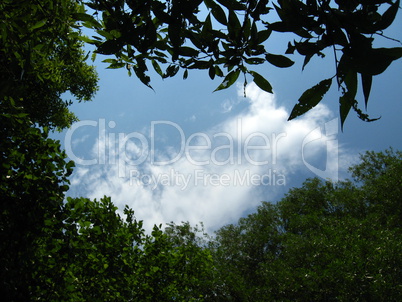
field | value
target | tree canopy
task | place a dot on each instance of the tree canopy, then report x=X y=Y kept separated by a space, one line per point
x=321 y=242
x=33 y=180
x=91 y=253
x=227 y=38
x=41 y=58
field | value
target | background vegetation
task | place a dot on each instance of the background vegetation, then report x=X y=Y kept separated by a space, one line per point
x=323 y=241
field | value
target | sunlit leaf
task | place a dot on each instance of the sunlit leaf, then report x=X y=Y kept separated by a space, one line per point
x=105 y=34
x=86 y=39
x=89 y=19
x=218 y=71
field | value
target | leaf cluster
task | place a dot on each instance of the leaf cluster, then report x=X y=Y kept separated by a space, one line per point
x=349 y=28
x=92 y=253
x=233 y=35
x=173 y=33
x=41 y=58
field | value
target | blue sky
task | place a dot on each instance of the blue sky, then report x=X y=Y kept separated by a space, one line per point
x=184 y=153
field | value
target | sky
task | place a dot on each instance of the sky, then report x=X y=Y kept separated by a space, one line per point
x=182 y=152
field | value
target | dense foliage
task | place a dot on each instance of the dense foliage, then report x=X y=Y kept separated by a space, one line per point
x=41 y=58
x=90 y=253
x=227 y=38
x=33 y=179
x=321 y=242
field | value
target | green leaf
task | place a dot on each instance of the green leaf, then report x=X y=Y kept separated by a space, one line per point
x=111 y=61
x=246 y=28
x=232 y=4
x=280 y=27
x=39 y=24
x=157 y=67
x=351 y=82
x=229 y=80
x=207 y=28
x=345 y=103
x=303 y=33
x=279 y=60
x=254 y=34
x=310 y=98
x=86 y=39
x=105 y=34
x=139 y=70
x=234 y=23
x=254 y=61
x=339 y=37
x=116 y=65
x=171 y=71
x=388 y=17
x=261 y=82
x=394 y=53
x=89 y=19
x=70 y=165
x=174 y=30
x=219 y=14
x=211 y=72
x=291 y=49
x=347 y=100
x=263 y=35
x=199 y=65
x=375 y=61
x=366 y=83
x=218 y=71
x=188 y=51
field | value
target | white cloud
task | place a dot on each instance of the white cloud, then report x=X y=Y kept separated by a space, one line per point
x=227 y=106
x=192 y=118
x=80 y=140
x=226 y=185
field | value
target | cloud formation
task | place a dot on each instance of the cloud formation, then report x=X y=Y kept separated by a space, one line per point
x=214 y=176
